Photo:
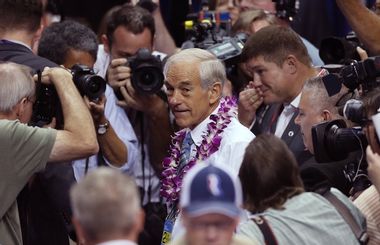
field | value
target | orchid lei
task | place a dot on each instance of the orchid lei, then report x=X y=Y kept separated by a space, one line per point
x=172 y=177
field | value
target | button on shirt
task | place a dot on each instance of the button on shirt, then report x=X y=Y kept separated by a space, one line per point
x=286 y=115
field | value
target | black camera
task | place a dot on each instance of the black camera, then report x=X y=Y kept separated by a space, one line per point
x=333 y=141
x=338 y=50
x=364 y=73
x=88 y=83
x=147 y=76
x=47 y=103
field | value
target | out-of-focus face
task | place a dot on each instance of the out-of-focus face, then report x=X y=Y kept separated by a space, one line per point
x=267 y=5
x=188 y=100
x=258 y=24
x=231 y=7
x=126 y=43
x=209 y=229
x=78 y=57
x=272 y=80
x=309 y=115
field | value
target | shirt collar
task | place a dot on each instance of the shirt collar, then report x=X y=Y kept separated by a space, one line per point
x=118 y=242
x=18 y=42
x=295 y=102
x=197 y=132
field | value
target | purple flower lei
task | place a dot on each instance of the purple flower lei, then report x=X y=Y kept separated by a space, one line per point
x=172 y=180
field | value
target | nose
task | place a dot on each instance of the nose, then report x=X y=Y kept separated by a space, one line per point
x=211 y=233
x=173 y=99
x=257 y=81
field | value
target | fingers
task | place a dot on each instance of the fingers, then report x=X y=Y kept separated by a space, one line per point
x=118 y=62
x=362 y=53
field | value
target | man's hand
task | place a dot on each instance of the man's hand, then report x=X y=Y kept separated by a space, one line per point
x=97 y=109
x=118 y=73
x=148 y=103
x=250 y=100
x=52 y=75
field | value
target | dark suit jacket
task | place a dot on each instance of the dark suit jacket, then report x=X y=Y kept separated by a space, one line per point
x=266 y=120
x=47 y=200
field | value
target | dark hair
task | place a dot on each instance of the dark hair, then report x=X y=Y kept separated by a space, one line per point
x=246 y=19
x=20 y=14
x=59 y=38
x=134 y=18
x=269 y=174
x=275 y=43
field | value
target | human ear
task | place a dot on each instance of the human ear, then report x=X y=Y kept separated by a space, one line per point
x=291 y=64
x=215 y=92
x=106 y=43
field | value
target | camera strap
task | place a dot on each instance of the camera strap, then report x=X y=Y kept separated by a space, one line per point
x=265 y=229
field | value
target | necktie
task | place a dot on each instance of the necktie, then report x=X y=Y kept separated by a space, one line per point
x=185 y=151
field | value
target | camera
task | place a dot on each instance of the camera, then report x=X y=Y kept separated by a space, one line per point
x=337 y=50
x=359 y=73
x=47 y=103
x=333 y=141
x=88 y=83
x=147 y=76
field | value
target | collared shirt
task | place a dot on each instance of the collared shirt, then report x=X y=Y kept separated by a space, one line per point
x=122 y=127
x=286 y=115
x=118 y=242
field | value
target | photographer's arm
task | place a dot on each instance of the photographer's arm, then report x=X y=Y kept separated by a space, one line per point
x=111 y=146
x=163 y=41
x=77 y=139
x=362 y=20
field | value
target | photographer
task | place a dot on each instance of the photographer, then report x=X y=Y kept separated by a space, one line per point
x=70 y=43
x=130 y=29
x=317 y=106
x=26 y=150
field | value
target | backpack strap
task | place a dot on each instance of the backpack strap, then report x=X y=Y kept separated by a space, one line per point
x=267 y=232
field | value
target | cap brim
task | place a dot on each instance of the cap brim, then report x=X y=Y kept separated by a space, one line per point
x=198 y=209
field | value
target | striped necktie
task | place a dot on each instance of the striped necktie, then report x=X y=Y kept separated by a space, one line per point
x=185 y=151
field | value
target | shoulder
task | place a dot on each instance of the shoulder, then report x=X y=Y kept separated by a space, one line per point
x=236 y=132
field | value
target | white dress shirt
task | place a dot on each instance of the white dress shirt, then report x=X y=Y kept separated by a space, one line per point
x=235 y=138
x=123 y=128
x=286 y=115
x=144 y=175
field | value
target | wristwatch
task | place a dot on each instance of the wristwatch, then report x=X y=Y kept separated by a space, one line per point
x=102 y=128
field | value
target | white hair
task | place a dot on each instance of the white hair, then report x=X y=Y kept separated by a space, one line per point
x=105 y=202
x=211 y=70
x=16 y=82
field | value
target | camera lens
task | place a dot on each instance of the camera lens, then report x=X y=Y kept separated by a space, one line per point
x=147 y=79
x=92 y=86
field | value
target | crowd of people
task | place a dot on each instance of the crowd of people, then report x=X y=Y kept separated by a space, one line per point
x=89 y=157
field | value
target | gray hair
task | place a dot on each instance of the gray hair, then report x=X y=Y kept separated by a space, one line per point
x=105 y=202
x=16 y=82
x=211 y=70
x=320 y=98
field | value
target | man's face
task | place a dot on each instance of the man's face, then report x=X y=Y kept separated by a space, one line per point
x=126 y=43
x=188 y=100
x=308 y=116
x=267 y=5
x=272 y=80
x=209 y=229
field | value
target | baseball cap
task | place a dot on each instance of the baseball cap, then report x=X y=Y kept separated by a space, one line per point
x=209 y=188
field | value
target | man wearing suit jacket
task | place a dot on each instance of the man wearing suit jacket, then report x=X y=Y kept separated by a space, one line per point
x=279 y=64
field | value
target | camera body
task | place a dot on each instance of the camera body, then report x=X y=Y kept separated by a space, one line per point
x=47 y=103
x=147 y=76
